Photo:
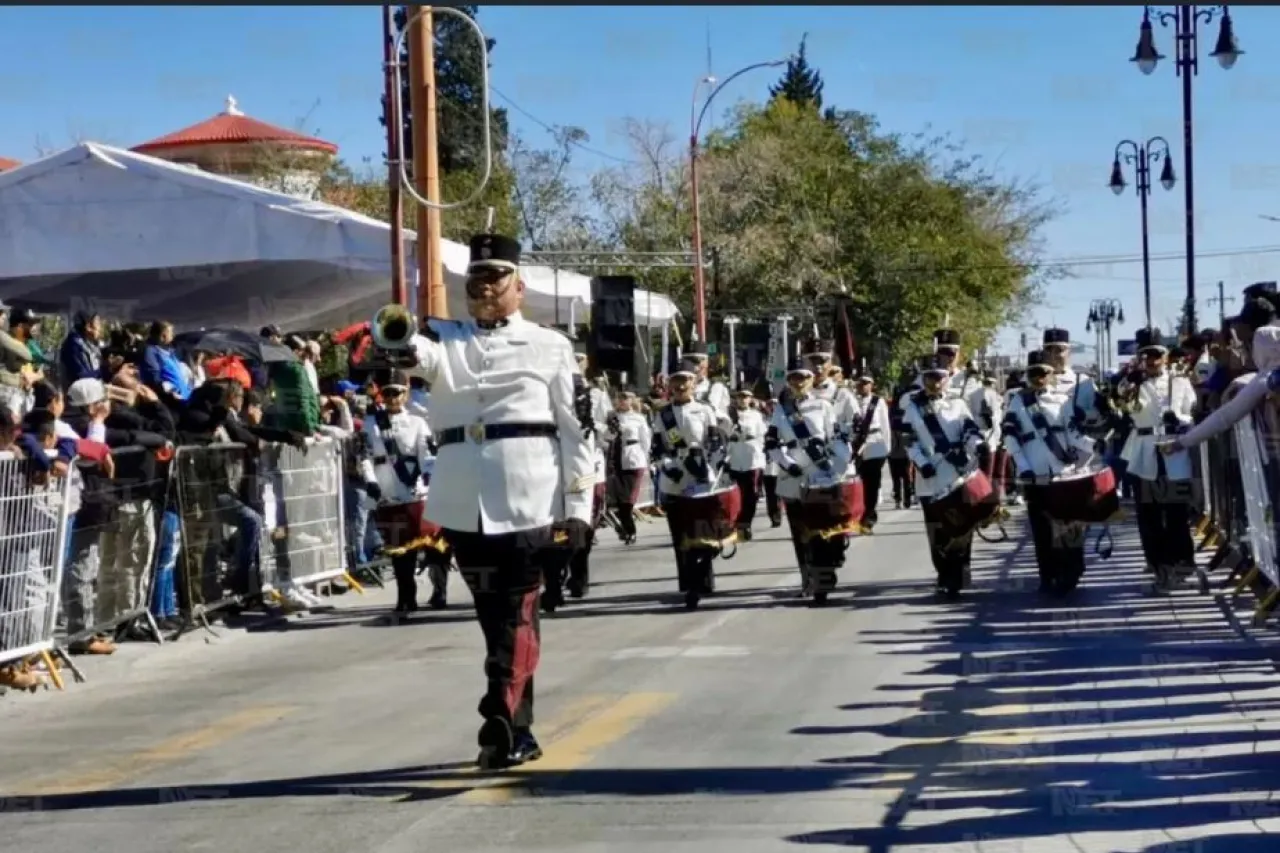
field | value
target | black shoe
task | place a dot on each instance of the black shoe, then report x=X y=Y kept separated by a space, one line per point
x=497 y=741
x=526 y=747
x=438 y=601
x=552 y=597
x=406 y=607
x=775 y=522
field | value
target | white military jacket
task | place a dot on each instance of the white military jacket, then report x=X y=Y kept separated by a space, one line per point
x=879 y=430
x=1084 y=395
x=714 y=394
x=1029 y=445
x=405 y=448
x=746 y=440
x=1158 y=395
x=518 y=373
x=819 y=419
x=693 y=423
x=843 y=402
x=988 y=409
x=959 y=428
x=635 y=436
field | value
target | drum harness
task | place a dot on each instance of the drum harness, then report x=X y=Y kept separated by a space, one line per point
x=696 y=460
x=815 y=448
x=1040 y=424
x=952 y=452
x=406 y=467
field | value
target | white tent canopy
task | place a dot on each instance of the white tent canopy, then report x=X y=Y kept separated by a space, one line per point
x=101 y=228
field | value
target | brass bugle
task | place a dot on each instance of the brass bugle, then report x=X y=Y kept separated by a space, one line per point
x=392 y=327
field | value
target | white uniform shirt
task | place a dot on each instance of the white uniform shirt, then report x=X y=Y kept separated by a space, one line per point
x=693 y=422
x=843 y=402
x=819 y=420
x=1084 y=395
x=1158 y=395
x=988 y=410
x=635 y=436
x=1027 y=444
x=407 y=437
x=516 y=373
x=746 y=440
x=879 y=430
x=957 y=424
x=714 y=394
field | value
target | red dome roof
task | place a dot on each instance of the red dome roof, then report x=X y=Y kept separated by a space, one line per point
x=232 y=127
x=6 y=164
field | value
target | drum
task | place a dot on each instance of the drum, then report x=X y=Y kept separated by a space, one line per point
x=707 y=520
x=968 y=506
x=1088 y=496
x=404 y=528
x=833 y=511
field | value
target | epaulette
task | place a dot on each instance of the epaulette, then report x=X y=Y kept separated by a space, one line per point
x=433 y=326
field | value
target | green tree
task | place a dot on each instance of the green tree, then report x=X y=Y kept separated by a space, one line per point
x=549 y=202
x=800 y=84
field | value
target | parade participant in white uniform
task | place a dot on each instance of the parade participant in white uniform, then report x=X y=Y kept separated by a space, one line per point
x=710 y=391
x=943 y=442
x=1043 y=439
x=437 y=563
x=872 y=434
x=1080 y=386
x=800 y=440
x=746 y=428
x=513 y=465
x=630 y=437
x=828 y=382
x=397 y=468
x=1161 y=405
x=688 y=448
x=769 y=479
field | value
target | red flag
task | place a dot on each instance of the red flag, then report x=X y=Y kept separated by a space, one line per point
x=846 y=349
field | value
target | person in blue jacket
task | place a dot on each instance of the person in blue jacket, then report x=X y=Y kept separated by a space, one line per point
x=162 y=369
x=81 y=353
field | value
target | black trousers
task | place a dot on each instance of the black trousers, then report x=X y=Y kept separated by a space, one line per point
x=1059 y=546
x=693 y=568
x=749 y=484
x=951 y=553
x=504 y=573
x=626 y=487
x=818 y=559
x=904 y=488
x=1164 y=523
x=871 y=470
x=405 y=567
x=771 y=504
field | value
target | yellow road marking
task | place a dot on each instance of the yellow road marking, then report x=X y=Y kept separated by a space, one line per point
x=576 y=748
x=112 y=772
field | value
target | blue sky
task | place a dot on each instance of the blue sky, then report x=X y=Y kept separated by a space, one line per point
x=1044 y=92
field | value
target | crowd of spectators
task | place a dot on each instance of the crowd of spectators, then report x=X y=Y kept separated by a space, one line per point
x=108 y=410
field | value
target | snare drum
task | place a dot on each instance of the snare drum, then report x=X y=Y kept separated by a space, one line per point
x=832 y=511
x=707 y=520
x=971 y=504
x=1087 y=496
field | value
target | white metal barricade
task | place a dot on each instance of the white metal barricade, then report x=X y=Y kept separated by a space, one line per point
x=1206 y=476
x=1257 y=498
x=304 y=535
x=33 y=524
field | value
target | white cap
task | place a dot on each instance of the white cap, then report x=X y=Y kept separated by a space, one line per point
x=86 y=392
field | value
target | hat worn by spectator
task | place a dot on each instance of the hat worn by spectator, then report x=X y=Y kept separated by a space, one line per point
x=494 y=252
x=1149 y=340
x=86 y=392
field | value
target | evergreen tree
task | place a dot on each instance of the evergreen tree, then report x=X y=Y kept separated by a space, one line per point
x=800 y=84
x=459 y=94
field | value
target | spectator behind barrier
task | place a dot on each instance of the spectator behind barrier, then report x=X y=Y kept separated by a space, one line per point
x=295 y=406
x=229 y=366
x=162 y=370
x=81 y=353
x=1266 y=356
x=24 y=325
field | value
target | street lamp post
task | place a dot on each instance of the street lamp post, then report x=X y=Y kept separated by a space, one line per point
x=1102 y=314
x=732 y=323
x=695 y=126
x=1141 y=157
x=1186 y=20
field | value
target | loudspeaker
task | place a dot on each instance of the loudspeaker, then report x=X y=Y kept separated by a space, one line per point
x=612 y=342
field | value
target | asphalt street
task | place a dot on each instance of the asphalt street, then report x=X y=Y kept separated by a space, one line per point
x=888 y=721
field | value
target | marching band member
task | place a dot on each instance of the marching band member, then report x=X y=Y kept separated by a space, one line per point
x=746 y=428
x=770 y=477
x=800 y=439
x=686 y=433
x=899 y=462
x=712 y=392
x=943 y=441
x=828 y=383
x=871 y=436
x=1161 y=405
x=397 y=467
x=1080 y=386
x=512 y=452
x=631 y=437
x=1043 y=438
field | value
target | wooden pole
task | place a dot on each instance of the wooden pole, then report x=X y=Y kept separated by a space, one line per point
x=395 y=142
x=432 y=301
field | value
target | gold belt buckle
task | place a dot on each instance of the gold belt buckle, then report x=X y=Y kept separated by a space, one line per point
x=476 y=431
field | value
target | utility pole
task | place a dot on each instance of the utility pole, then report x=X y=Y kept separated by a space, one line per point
x=1222 y=301
x=432 y=300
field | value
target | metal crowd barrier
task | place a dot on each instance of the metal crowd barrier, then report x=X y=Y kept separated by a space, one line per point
x=33 y=533
x=305 y=519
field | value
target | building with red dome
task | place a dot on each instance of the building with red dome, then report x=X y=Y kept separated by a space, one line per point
x=238 y=146
x=6 y=164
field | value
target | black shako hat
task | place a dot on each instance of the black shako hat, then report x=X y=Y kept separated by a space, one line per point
x=494 y=252
x=934 y=364
x=694 y=349
x=1056 y=336
x=819 y=348
x=799 y=364
x=744 y=389
x=1150 y=339
x=688 y=367
x=946 y=338
x=1037 y=363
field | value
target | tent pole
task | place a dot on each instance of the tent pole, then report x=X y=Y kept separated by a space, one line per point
x=395 y=137
x=432 y=300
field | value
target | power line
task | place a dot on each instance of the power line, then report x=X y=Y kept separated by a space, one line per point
x=553 y=130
